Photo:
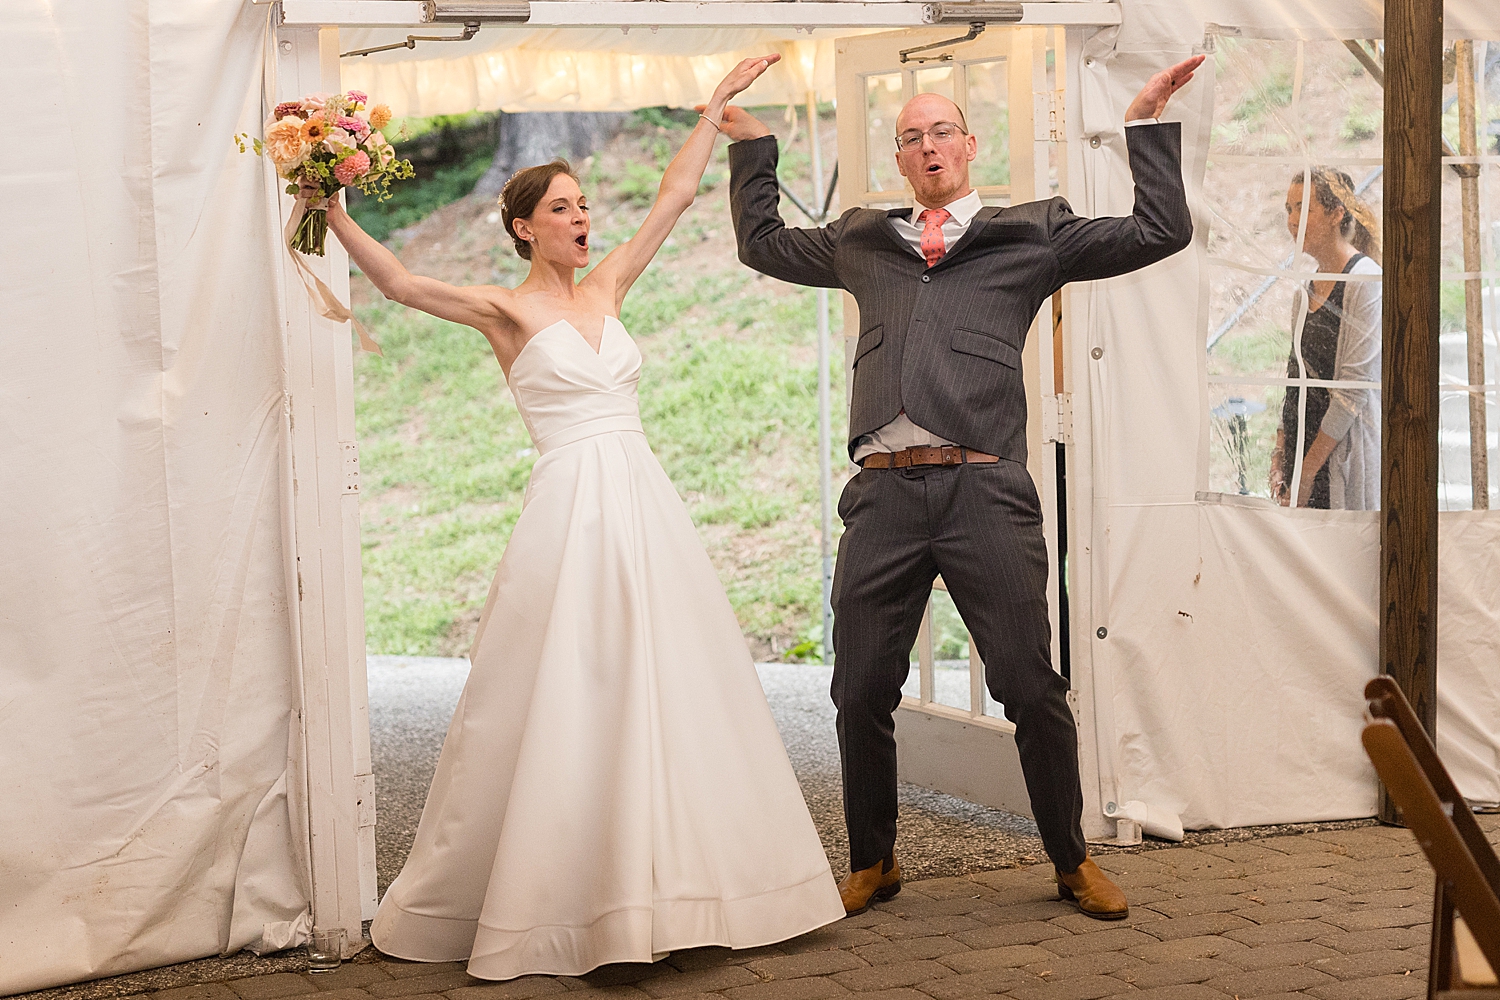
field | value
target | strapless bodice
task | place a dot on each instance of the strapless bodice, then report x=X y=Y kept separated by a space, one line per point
x=566 y=392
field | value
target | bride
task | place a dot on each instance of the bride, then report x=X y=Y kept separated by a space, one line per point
x=612 y=786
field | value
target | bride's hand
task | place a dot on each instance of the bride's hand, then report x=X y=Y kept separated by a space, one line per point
x=312 y=193
x=737 y=123
x=742 y=76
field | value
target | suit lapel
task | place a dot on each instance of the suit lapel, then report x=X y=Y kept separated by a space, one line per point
x=890 y=230
x=976 y=226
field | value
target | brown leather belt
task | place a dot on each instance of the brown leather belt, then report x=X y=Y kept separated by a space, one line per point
x=948 y=454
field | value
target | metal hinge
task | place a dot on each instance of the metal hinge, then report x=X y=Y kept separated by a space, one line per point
x=1047 y=116
x=1057 y=418
x=351 y=466
x=364 y=799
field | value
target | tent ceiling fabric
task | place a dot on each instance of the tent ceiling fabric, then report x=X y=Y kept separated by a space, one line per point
x=583 y=69
x=515 y=68
x=148 y=689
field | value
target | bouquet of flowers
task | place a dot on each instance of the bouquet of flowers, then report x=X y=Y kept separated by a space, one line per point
x=334 y=141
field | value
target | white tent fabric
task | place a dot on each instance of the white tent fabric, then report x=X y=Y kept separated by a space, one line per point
x=148 y=809
x=583 y=69
x=1228 y=689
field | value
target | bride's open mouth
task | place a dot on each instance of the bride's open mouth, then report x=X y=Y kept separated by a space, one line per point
x=583 y=241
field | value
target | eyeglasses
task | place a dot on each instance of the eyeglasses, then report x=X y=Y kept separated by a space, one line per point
x=941 y=134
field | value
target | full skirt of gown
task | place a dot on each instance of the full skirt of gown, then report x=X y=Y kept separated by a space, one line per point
x=612 y=785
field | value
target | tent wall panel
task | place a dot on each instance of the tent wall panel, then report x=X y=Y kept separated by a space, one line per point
x=147 y=681
x=1228 y=688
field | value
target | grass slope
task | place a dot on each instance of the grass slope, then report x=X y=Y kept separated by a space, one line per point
x=728 y=397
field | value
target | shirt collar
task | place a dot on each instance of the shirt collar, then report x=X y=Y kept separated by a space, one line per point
x=962 y=209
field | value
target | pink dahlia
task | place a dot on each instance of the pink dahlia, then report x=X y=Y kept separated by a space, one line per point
x=358 y=97
x=352 y=125
x=351 y=167
x=286 y=108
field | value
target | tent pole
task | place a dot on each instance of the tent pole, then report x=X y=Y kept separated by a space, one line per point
x=825 y=418
x=1468 y=145
x=319 y=382
x=1409 y=452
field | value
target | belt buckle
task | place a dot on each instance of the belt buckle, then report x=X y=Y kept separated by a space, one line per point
x=901 y=459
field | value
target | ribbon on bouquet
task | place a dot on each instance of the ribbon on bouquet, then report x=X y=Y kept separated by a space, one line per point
x=324 y=301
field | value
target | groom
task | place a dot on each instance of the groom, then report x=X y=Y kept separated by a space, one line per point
x=937 y=422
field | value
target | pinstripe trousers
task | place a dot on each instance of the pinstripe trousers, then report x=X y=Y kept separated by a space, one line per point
x=979 y=526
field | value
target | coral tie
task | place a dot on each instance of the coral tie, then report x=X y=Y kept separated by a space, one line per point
x=932 y=220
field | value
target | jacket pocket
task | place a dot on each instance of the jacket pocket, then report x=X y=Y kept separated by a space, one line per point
x=984 y=345
x=868 y=341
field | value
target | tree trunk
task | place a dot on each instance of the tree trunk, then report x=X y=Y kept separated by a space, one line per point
x=533 y=137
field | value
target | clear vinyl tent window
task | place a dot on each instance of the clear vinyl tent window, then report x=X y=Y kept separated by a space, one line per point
x=1293 y=341
x=1278 y=367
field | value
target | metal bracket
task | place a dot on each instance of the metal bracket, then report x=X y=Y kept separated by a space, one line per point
x=997 y=13
x=471 y=28
x=351 y=466
x=364 y=802
x=976 y=28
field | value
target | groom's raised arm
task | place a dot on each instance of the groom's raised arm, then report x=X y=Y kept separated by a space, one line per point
x=800 y=256
x=1160 y=225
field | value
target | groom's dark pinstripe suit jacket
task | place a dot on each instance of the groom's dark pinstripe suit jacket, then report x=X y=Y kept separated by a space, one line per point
x=944 y=343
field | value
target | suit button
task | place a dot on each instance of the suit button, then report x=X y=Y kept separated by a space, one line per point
x=926 y=277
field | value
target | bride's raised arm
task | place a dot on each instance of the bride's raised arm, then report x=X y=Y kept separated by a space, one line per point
x=476 y=306
x=679 y=184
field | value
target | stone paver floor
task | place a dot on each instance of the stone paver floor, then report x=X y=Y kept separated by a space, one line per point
x=1334 y=915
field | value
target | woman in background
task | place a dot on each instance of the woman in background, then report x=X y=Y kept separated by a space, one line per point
x=1340 y=341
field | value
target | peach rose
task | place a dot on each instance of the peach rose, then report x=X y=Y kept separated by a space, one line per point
x=381 y=151
x=338 y=140
x=285 y=144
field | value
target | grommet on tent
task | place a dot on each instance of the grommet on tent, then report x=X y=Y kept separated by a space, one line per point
x=1097 y=353
x=1102 y=632
x=1094 y=142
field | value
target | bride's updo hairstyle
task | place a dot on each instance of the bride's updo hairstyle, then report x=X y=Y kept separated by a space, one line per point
x=522 y=193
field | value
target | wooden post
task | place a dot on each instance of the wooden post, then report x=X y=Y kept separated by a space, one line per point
x=1468 y=145
x=1409 y=448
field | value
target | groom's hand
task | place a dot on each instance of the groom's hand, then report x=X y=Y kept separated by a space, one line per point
x=739 y=124
x=1152 y=100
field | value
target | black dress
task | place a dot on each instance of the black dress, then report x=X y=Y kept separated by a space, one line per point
x=1320 y=344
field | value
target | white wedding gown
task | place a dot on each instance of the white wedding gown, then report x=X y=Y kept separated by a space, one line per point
x=612 y=785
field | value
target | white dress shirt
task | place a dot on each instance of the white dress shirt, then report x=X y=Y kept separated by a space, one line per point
x=901 y=433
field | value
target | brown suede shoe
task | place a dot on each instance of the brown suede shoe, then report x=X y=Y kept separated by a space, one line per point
x=874 y=884
x=1094 y=893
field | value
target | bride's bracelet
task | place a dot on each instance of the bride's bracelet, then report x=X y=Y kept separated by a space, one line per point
x=711 y=122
